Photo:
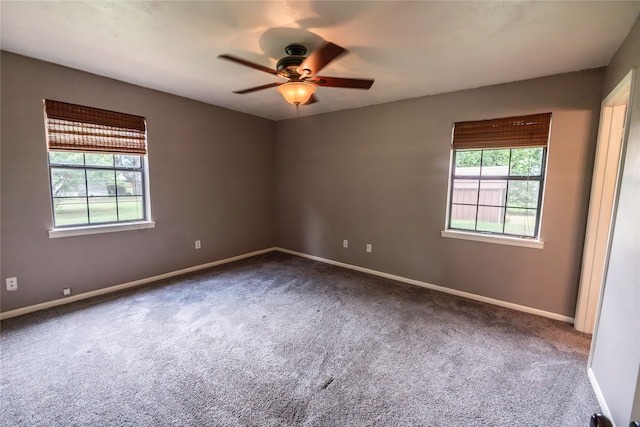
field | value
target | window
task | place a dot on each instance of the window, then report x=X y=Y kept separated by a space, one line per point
x=97 y=166
x=497 y=176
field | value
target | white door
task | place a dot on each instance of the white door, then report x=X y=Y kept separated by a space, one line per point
x=614 y=361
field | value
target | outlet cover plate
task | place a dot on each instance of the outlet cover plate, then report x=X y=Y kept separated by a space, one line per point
x=12 y=284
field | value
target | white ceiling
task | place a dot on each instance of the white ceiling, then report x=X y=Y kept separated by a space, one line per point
x=411 y=49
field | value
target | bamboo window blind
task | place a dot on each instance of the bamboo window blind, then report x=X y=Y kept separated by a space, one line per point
x=73 y=127
x=520 y=131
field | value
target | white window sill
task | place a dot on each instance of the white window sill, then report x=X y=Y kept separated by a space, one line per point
x=99 y=229
x=491 y=238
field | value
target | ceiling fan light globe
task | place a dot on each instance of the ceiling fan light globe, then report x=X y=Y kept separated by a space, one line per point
x=296 y=92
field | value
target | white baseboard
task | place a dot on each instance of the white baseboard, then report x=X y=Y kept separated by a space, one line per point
x=467 y=295
x=79 y=297
x=85 y=295
x=601 y=400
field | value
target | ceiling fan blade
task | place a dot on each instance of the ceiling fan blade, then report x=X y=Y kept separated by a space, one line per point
x=248 y=64
x=320 y=58
x=311 y=100
x=254 y=89
x=341 y=82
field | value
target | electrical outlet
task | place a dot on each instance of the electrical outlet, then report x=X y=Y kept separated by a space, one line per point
x=369 y=247
x=198 y=246
x=345 y=243
x=12 y=283
x=66 y=291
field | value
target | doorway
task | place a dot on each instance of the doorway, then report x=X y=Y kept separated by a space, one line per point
x=604 y=187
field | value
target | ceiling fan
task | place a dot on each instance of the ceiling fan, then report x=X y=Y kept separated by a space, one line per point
x=301 y=73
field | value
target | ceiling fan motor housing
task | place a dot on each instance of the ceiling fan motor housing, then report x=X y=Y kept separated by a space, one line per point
x=296 y=54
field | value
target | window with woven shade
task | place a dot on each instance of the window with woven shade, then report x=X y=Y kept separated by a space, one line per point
x=97 y=166
x=497 y=175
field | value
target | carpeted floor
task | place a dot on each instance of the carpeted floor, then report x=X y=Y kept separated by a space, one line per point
x=278 y=340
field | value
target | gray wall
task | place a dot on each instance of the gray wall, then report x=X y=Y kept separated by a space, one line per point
x=379 y=175
x=211 y=177
x=616 y=347
x=372 y=175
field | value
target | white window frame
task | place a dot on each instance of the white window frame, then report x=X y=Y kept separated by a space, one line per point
x=138 y=225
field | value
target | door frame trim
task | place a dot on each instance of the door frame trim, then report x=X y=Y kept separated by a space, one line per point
x=591 y=287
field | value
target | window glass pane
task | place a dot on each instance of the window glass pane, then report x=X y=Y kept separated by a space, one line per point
x=523 y=194
x=102 y=209
x=101 y=182
x=125 y=161
x=67 y=182
x=70 y=211
x=468 y=162
x=64 y=158
x=492 y=193
x=526 y=161
x=98 y=159
x=463 y=216
x=129 y=183
x=495 y=162
x=121 y=188
x=490 y=219
x=465 y=191
x=130 y=208
x=521 y=222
